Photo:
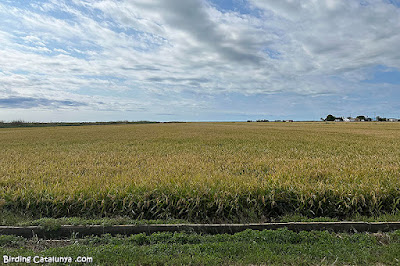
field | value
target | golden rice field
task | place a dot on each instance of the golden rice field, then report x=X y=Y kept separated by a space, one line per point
x=202 y=171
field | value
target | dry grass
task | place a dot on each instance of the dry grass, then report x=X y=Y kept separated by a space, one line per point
x=202 y=171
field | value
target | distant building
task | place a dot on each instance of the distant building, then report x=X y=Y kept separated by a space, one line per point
x=392 y=119
x=349 y=119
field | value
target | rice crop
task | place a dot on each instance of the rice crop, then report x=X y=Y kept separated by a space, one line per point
x=202 y=171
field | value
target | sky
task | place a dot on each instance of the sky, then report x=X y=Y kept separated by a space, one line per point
x=198 y=60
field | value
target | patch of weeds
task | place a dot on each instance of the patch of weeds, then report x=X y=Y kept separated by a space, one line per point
x=12 y=218
x=11 y=241
x=302 y=218
x=105 y=221
x=49 y=224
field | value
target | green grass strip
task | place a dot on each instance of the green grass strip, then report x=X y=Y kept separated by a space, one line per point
x=248 y=247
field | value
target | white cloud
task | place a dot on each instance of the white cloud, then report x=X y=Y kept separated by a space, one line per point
x=338 y=36
x=180 y=50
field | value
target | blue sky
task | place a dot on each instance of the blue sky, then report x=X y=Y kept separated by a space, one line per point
x=198 y=60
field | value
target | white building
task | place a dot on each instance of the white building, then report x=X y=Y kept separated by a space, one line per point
x=350 y=119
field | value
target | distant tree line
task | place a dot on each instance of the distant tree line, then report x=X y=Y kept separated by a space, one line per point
x=266 y=120
x=21 y=123
x=259 y=120
x=358 y=118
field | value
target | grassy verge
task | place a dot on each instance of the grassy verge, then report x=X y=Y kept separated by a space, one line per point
x=248 y=247
x=17 y=219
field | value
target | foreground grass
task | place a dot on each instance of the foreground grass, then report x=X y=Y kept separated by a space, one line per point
x=248 y=247
x=207 y=172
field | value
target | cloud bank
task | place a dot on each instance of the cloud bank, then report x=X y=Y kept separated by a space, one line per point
x=197 y=59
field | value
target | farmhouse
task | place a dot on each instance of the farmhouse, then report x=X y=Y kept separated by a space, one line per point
x=348 y=119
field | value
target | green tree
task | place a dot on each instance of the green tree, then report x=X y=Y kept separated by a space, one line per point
x=330 y=118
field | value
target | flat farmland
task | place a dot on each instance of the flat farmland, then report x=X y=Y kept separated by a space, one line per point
x=205 y=172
